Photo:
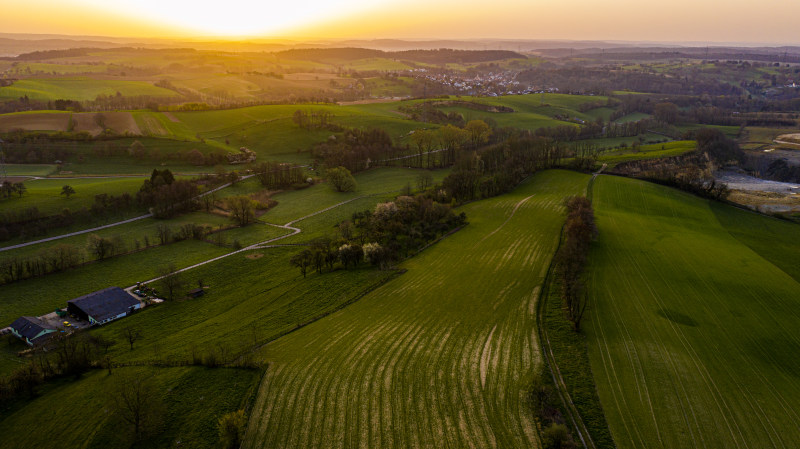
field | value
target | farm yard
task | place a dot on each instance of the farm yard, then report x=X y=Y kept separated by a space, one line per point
x=687 y=350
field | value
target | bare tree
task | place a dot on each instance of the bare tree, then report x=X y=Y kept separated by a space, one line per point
x=302 y=260
x=137 y=402
x=209 y=201
x=424 y=180
x=131 y=335
x=242 y=209
x=171 y=281
x=164 y=233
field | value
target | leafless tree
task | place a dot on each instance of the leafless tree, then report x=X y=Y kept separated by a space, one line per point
x=131 y=335
x=137 y=402
x=170 y=282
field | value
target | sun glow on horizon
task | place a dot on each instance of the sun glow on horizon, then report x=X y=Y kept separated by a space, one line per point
x=678 y=20
x=234 y=18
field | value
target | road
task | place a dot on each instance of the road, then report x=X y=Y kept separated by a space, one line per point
x=267 y=243
x=85 y=231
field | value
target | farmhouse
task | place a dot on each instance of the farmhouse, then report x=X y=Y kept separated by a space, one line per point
x=31 y=330
x=104 y=305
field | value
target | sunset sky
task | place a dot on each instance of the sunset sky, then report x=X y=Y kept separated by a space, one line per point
x=772 y=21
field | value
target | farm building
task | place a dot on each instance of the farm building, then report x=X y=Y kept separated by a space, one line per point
x=31 y=330
x=104 y=305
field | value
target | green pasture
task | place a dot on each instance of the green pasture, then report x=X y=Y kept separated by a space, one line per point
x=82 y=413
x=295 y=204
x=54 y=290
x=144 y=231
x=45 y=194
x=29 y=169
x=633 y=117
x=440 y=356
x=61 y=69
x=692 y=322
x=653 y=151
x=80 y=89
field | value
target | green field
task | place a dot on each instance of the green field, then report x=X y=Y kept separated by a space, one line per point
x=81 y=413
x=79 y=89
x=29 y=169
x=45 y=194
x=653 y=151
x=440 y=356
x=634 y=117
x=55 y=289
x=692 y=326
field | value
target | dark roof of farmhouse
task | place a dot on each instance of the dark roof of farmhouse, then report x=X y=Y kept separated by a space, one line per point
x=105 y=303
x=29 y=327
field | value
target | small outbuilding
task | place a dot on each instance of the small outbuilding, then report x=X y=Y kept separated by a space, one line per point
x=31 y=330
x=104 y=305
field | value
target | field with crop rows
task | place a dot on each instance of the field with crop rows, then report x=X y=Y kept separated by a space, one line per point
x=653 y=151
x=692 y=326
x=440 y=356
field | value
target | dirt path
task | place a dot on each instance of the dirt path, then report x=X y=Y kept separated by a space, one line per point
x=267 y=243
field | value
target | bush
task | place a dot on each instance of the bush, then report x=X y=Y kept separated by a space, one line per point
x=557 y=436
x=341 y=179
x=231 y=429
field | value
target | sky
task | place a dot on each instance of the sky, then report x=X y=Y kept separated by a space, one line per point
x=745 y=21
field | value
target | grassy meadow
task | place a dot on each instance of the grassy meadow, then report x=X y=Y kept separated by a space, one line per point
x=190 y=401
x=440 y=356
x=79 y=89
x=45 y=194
x=692 y=325
x=55 y=289
x=652 y=151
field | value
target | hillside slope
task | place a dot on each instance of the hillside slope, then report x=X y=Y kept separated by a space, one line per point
x=692 y=335
x=439 y=357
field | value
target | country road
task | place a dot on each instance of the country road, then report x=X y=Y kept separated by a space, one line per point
x=266 y=243
x=129 y=220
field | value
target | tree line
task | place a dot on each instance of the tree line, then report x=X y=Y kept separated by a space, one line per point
x=579 y=231
x=386 y=234
x=64 y=256
x=498 y=168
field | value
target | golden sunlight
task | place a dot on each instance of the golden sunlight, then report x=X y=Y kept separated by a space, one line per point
x=235 y=17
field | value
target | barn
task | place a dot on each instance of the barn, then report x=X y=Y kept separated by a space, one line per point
x=31 y=330
x=104 y=305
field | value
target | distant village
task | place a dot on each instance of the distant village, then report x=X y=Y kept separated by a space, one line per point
x=491 y=84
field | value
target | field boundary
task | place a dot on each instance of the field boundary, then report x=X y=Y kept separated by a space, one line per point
x=550 y=361
x=547 y=349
